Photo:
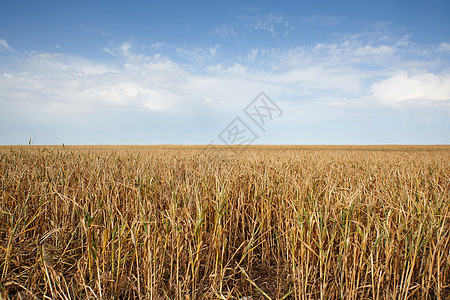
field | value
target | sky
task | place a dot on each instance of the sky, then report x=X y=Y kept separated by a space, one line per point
x=224 y=72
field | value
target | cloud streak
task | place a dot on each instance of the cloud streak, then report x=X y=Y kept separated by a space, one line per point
x=4 y=46
x=276 y=24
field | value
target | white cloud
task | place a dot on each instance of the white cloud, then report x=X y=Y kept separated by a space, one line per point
x=109 y=51
x=225 y=30
x=444 y=47
x=276 y=24
x=4 y=46
x=369 y=50
x=351 y=51
x=267 y=21
x=92 y=28
x=198 y=55
x=253 y=53
x=417 y=87
x=159 y=45
x=324 y=20
x=48 y=79
x=125 y=48
x=312 y=80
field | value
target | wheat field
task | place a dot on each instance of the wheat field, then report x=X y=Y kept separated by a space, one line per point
x=265 y=222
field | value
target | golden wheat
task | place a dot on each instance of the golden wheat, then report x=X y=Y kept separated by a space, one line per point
x=176 y=222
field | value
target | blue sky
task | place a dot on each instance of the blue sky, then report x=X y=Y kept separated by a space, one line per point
x=177 y=72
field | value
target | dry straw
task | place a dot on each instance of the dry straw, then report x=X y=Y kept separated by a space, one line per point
x=273 y=223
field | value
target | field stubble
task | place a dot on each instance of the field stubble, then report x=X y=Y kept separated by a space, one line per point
x=170 y=222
